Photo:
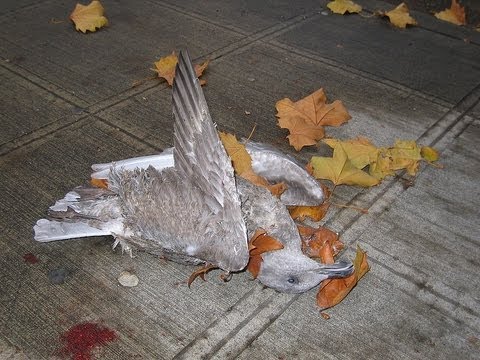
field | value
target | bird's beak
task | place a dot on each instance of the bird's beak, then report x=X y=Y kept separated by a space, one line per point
x=339 y=269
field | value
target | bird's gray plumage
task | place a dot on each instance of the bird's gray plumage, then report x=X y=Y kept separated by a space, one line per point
x=186 y=205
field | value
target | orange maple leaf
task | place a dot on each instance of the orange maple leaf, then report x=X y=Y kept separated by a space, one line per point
x=259 y=244
x=100 y=183
x=320 y=243
x=315 y=213
x=306 y=118
x=165 y=68
x=332 y=291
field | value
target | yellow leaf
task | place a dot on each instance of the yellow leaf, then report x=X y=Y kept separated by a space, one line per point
x=405 y=155
x=360 y=151
x=343 y=6
x=382 y=165
x=454 y=15
x=429 y=153
x=165 y=68
x=400 y=16
x=88 y=17
x=242 y=164
x=306 y=118
x=340 y=170
x=241 y=159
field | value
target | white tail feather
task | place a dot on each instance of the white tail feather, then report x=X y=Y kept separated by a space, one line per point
x=50 y=230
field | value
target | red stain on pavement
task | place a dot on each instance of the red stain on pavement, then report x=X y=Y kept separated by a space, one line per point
x=82 y=338
x=30 y=258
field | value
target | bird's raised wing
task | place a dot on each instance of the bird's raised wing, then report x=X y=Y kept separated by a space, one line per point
x=200 y=157
x=199 y=153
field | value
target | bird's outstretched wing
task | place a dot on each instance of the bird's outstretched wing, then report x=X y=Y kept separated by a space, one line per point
x=198 y=152
x=302 y=188
x=200 y=157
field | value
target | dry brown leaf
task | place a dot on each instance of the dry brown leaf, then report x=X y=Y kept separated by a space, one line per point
x=315 y=213
x=89 y=17
x=400 y=17
x=343 y=6
x=259 y=244
x=306 y=118
x=332 y=291
x=454 y=15
x=165 y=68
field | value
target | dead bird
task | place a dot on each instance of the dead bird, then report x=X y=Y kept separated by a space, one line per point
x=186 y=204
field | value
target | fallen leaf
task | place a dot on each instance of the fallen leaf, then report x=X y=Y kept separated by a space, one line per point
x=339 y=169
x=315 y=213
x=381 y=167
x=454 y=15
x=405 y=154
x=88 y=17
x=360 y=151
x=241 y=159
x=306 y=118
x=165 y=68
x=259 y=244
x=429 y=154
x=242 y=163
x=320 y=243
x=400 y=16
x=332 y=291
x=199 y=69
x=343 y=6
x=100 y=183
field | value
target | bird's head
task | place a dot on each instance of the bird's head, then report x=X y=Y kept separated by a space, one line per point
x=292 y=272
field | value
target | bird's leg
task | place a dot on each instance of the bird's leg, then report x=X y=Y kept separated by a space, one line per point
x=201 y=272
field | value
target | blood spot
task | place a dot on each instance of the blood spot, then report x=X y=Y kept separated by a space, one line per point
x=30 y=258
x=82 y=338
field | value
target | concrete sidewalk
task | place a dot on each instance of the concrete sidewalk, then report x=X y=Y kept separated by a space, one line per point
x=67 y=101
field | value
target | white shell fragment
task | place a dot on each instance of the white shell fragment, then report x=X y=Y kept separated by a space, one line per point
x=128 y=279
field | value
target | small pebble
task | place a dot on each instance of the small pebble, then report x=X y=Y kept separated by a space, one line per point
x=127 y=279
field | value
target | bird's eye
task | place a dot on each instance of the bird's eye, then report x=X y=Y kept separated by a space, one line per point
x=292 y=280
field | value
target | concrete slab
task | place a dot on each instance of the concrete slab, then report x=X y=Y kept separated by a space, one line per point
x=419 y=301
x=29 y=301
x=417 y=58
x=92 y=68
x=246 y=17
x=26 y=107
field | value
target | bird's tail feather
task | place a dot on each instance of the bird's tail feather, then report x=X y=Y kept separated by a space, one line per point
x=51 y=230
x=83 y=212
